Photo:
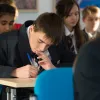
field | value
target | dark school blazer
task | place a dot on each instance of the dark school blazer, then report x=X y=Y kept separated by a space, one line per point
x=14 y=47
x=87 y=71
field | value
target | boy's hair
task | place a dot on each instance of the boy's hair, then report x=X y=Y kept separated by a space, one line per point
x=90 y=10
x=52 y=25
x=6 y=9
x=63 y=7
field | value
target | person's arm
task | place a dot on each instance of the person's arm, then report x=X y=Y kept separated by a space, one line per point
x=67 y=57
x=87 y=73
x=27 y=71
x=5 y=69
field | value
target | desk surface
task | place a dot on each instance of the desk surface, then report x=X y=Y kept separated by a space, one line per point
x=18 y=82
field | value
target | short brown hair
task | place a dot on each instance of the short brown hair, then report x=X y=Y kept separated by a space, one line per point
x=90 y=10
x=52 y=25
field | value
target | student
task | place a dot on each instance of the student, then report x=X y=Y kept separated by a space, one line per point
x=12 y=3
x=7 y=17
x=15 y=46
x=91 y=19
x=87 y=71
x=69 y=11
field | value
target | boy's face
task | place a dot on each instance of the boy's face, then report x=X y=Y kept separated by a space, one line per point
x=92 y=22
x=38 y=40
x=72 y=18
x=6 y=23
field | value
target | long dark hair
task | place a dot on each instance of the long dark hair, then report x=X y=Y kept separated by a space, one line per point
x=63 y=8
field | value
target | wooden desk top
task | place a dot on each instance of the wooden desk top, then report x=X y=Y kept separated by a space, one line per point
x=18 y=82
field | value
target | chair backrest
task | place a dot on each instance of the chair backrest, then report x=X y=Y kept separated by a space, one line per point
x=55 y=84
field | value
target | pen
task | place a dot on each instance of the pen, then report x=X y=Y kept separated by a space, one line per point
x=31 y=61
x=29 y=58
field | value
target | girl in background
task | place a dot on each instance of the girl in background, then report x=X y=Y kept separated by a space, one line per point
x=69 y=11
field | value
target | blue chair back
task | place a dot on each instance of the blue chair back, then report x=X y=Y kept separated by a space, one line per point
x=55 y=84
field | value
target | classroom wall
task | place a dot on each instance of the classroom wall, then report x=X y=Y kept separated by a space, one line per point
x=43 y=6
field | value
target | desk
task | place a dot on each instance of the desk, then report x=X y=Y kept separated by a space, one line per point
x=13 y=83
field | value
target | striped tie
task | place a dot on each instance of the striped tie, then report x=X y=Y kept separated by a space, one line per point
x=70 y=43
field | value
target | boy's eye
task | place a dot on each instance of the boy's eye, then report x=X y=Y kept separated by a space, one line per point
x=96 y=19
x=90 y=19
x=77 y=13
x=11 y=23
x=70 y=15
x=3 y=23
x=40 y=41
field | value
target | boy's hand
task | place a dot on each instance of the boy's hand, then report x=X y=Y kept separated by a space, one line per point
x=44 y=61
x=27 y=71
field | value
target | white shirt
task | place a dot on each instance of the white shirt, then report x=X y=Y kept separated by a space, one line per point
x=68 y=33
x=90 y=35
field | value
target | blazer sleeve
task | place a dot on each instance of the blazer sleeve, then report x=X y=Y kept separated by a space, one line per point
x=67 y=57
x=87 y=72
x=5 y=69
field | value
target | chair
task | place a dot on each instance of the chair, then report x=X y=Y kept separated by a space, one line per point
x=55 y=84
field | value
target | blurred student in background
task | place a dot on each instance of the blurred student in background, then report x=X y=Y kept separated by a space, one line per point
x=87 y=71
x=69 y=11
x=91 y=19
x=7 y=17
x=12 y=3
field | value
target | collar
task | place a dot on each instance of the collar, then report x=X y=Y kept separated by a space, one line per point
x=23 y=44
x=67 y=32
x=90 y=34
x=28 y=31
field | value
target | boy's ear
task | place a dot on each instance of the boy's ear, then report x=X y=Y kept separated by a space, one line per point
x=31 y=28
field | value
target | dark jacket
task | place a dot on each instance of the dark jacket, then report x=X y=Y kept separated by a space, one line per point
x=87 y=71
x=14 y=47
x=86 y=37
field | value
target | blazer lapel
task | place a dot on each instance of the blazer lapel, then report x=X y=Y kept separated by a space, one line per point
x=86 y=35
x=23 y=45
x=54 y=55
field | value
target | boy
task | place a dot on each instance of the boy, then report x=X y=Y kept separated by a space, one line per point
x=31 y=39
x=91 y=19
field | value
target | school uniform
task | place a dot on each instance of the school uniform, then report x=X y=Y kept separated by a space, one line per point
x=14 y=47
x=89 y=36
x=87 y=71
x=71 y=40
